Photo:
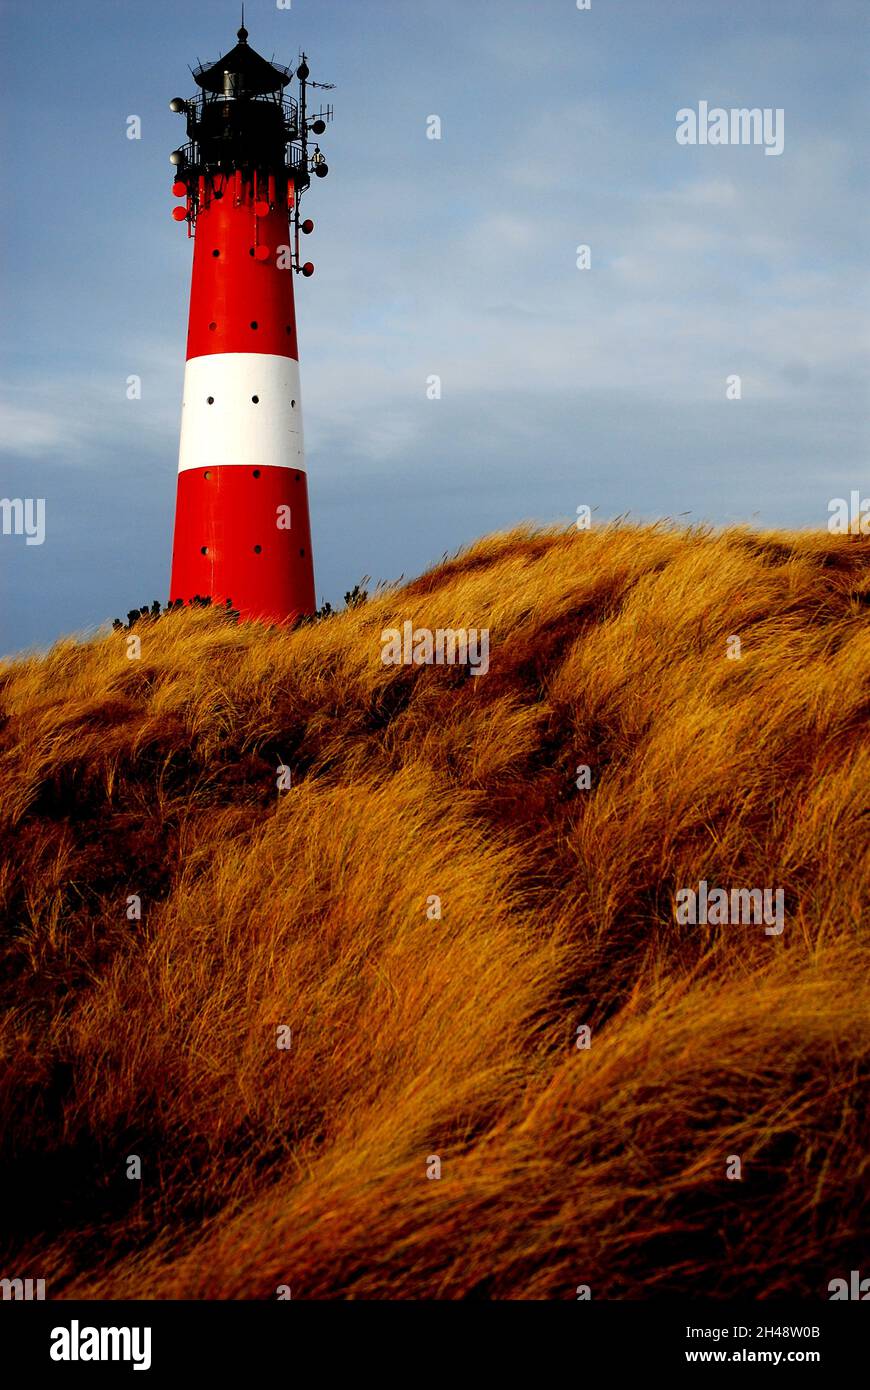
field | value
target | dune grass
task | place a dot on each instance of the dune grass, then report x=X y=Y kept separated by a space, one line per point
x=417 y=1037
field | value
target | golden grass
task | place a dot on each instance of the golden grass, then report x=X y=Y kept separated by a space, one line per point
x=455 y=1037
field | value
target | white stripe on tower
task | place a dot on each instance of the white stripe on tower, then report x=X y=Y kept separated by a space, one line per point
x=241 y=409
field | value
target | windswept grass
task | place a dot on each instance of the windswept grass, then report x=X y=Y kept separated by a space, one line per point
x=453 y=1037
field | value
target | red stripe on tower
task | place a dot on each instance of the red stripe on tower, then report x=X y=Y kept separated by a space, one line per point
x=242 y=531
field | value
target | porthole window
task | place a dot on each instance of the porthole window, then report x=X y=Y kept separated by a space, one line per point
x=206 y=476
x=215 y=253
x=258 y=550
x=293 y=405
x=256 y=400
x=251 y=252
x=211 y=400
x=204 y=550
x=212 y=327
x=302 y=553
x=255 y=324
x=256 y=472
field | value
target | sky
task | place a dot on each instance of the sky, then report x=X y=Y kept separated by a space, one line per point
x=561 y=387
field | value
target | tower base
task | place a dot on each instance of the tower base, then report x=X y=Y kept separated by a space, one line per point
x=243 y=534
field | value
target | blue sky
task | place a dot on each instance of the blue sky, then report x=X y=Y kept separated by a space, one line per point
x=454 y=258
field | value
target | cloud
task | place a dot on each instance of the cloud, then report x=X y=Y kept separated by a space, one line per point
x=29 y=431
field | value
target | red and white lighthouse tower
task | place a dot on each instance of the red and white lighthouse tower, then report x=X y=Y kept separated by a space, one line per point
x=242 y=529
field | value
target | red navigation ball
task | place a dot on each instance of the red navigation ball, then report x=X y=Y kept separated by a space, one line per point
x=261 y=208
x=308 y=269
x=180 y=189
x=262 y=253
x=180 y=214
x=308 y=226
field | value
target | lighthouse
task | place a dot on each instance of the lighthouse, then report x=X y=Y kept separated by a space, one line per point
x=242 y=530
